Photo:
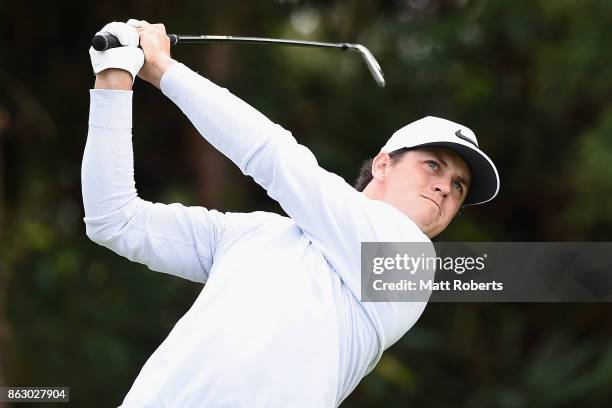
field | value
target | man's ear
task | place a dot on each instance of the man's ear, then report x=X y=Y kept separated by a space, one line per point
x=380 y=166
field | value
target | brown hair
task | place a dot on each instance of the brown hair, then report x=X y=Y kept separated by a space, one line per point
x=365 y=172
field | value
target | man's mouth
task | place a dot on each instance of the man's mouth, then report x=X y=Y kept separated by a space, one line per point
x=433 y=201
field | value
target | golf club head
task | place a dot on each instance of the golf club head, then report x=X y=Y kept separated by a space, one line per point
x=372 y=64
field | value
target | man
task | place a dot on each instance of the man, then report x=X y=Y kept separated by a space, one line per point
x=279 y=322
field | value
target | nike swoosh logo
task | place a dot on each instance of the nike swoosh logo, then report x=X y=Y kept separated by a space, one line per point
x=467 y=139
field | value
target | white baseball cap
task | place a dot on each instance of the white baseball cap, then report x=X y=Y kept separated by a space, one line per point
x=432 y=131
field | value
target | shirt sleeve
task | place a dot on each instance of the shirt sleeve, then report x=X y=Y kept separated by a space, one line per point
x=331 y=213
x=173 y=239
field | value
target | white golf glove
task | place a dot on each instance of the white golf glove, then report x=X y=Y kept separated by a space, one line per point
x=129 y=57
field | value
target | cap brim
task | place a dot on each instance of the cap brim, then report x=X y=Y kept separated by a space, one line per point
x=484 y=184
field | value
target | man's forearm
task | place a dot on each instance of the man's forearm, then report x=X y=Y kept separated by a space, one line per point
x=108 y=167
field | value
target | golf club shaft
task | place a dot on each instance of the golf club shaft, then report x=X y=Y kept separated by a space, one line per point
x=104 y=41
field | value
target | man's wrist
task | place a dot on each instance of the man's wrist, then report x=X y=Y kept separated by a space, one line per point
x=159 y=68
x=114 y=79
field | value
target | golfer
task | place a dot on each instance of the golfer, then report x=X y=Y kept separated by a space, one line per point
x=279 y=322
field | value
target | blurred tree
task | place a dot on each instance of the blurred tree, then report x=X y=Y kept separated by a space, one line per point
x=4 y=325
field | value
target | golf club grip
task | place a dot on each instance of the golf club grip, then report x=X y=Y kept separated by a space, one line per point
x=104 y=41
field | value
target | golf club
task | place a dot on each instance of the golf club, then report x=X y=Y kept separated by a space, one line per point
x=103 y=41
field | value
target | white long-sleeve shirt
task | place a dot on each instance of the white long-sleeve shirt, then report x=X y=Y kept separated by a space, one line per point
x=279 y=322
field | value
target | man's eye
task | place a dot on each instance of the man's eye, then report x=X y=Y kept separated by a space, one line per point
x=457 y=185
x=433 y=164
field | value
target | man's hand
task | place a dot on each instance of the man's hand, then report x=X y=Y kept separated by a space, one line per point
x=156 y=46
x=117 y=68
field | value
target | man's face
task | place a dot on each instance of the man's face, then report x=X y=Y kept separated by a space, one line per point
x=427 y=184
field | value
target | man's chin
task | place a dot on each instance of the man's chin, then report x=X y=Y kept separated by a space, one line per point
x=432 y=234
x=424 y=214
x=426 y=226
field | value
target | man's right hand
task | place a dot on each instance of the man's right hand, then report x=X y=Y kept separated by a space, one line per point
x=156 y=46
x=117 y=68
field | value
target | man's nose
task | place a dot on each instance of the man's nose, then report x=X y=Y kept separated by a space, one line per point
x=441 y=188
